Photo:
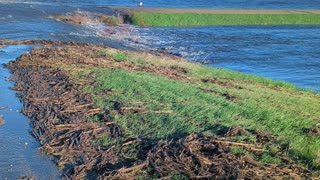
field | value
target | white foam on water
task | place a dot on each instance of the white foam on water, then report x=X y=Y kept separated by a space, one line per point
x=25 y=2
x=6 y=17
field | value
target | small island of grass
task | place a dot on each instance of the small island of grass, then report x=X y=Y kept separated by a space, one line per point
x=205 y=17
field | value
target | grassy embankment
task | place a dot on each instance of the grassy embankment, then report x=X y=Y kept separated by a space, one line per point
x=137 y=100
x=164 y=98
x=197 y=17
x=194 y=19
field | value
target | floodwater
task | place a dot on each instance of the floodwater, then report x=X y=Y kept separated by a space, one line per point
x=208 y=4
x=19 y=154
x=287 y=53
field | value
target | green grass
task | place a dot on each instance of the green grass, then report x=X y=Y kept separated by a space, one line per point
x=111 y=21
x=120 y=57
x=171 y=108
x=193 y=19
x=266 y=158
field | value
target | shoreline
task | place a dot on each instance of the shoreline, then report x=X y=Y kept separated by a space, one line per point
x=63 y=98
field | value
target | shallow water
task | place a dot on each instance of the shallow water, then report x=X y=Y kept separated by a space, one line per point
x=226 y=4
x=19 y=154
x=288 y=53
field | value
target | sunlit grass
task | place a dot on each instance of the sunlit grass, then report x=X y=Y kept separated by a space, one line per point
x=194 y=19
x=161 y=108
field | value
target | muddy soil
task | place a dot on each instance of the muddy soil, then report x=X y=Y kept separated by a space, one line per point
x=61 y=113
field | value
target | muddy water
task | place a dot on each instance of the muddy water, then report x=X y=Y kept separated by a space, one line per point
x=19 y=154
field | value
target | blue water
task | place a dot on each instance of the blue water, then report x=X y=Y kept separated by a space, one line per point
x=225 y=4
x=19 y=154
x=287 y=53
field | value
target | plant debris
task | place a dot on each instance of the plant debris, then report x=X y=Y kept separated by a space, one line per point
x=61 y=113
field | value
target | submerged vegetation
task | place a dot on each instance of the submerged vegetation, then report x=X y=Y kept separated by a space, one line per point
x=105 y=112
x=195 y=19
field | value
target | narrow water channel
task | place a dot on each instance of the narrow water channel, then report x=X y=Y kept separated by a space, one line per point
x=19 y=153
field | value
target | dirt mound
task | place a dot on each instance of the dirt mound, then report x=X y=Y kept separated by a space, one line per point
x=62 y=113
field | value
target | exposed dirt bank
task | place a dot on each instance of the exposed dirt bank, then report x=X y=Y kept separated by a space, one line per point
x=62 y=111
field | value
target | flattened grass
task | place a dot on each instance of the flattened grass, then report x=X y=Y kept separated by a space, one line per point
x=194 y=19
x=204 y=99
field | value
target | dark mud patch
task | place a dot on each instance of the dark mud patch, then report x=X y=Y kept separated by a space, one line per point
x=219 y=82
x=227 y=96
x=62 y=119
x=313 y=131
x=236 y=131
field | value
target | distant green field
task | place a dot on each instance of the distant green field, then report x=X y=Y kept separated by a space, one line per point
x=194 y=19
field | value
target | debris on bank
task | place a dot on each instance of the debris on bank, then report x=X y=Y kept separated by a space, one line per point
x=61 y=113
